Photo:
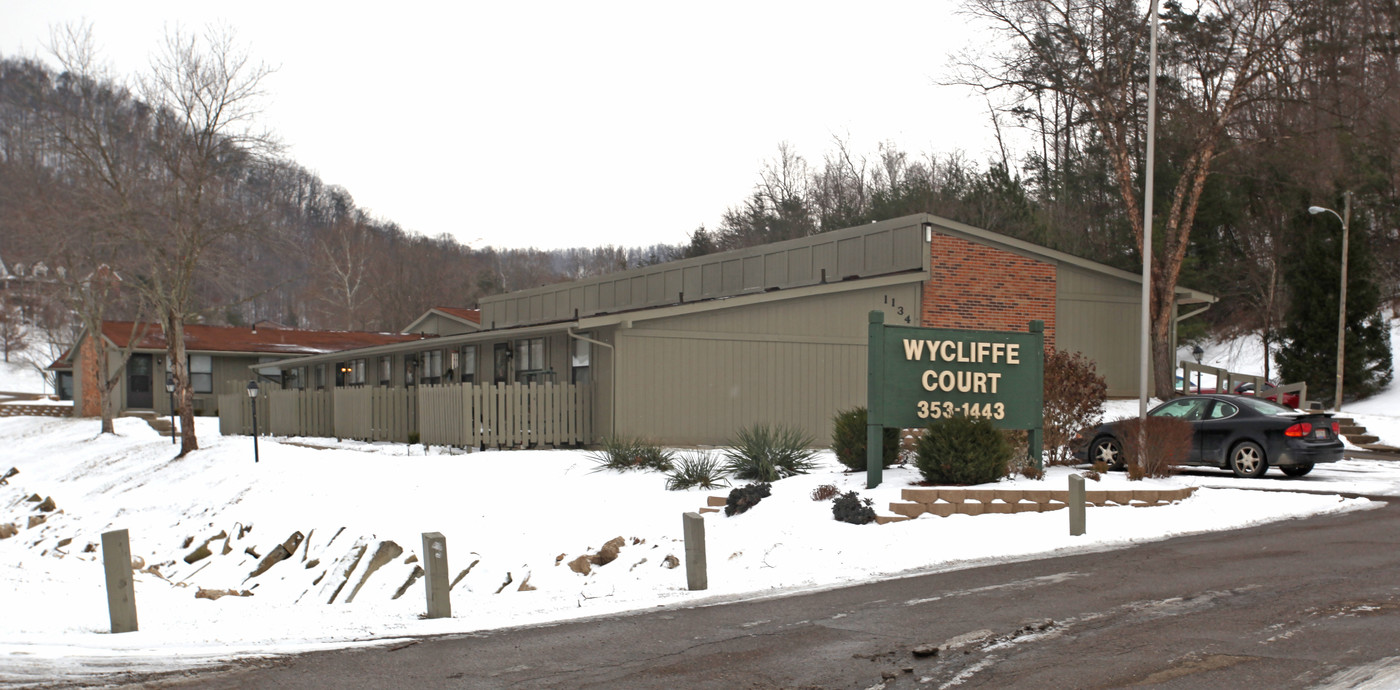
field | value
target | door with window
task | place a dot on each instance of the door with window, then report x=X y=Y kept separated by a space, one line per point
x=139 y=372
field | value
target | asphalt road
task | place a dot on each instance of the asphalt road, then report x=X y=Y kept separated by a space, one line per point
x=1300 y=603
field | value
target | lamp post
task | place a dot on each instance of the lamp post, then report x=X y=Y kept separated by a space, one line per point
x=1198 y=353
x=170 y=392
x=253 y=398
x=1345 y=217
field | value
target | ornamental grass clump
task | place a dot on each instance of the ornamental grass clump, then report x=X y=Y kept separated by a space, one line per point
x=696 y=468
x=848 y=440
x=850 y=507
x=963 y=450
x=622 y=454
x=767 y=454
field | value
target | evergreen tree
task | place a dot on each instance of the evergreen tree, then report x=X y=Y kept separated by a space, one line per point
x=1309 y=338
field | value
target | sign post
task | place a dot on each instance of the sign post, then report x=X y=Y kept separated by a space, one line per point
x=920 y=374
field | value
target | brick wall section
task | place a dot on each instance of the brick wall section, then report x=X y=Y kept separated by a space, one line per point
x=85 y=365
x=978 y=287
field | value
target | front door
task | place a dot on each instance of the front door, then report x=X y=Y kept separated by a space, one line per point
x=501 y=353
x=138 y=382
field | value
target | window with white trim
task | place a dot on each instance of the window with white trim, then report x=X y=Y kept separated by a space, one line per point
x=201 y=373
x=580 y=361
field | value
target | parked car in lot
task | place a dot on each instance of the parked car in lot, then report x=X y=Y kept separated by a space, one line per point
x=1241 y=433
x=1247 y=388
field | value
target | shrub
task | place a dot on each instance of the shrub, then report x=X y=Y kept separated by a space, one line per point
x=848 y=440
x=767 y=454
x=850 y=508
x=963 y=450
x=622 y=454
x=825 y=492
x=1168 y=443
x=745 y=497
x=697 y=468
x=1074 y=398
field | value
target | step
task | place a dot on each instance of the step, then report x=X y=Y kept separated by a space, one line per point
x=1379 y=448
x=1361 y=439
x=720 y=501
x=1349 y=429
x=1344 y=421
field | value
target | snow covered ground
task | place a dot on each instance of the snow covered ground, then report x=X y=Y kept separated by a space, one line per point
x=513 y=521
x=18 y=376
x=509 y=518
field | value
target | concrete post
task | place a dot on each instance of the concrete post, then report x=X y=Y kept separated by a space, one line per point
x=121 y=590
x=695 y=576
x=1076 y=505
x=436 y=578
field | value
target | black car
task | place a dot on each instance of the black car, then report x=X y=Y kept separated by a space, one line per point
x=1241 y=433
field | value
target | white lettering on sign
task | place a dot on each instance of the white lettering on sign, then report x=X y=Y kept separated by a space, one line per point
x=961 y=381
x=979 y=352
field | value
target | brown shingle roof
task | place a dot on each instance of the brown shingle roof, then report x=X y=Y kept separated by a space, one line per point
x=472 y=315
x=267 y=340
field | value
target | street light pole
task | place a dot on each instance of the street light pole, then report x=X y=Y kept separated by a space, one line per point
x=253 y=398
x=1345 y=217
x=1144 y=332
x=170 y=392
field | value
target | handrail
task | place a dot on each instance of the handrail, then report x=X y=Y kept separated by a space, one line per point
x=1226 y=381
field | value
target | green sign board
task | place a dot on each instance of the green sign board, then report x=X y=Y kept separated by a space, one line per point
x=917 y=375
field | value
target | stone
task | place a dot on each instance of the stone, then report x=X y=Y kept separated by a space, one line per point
x=581 y=565
x=525 y=585
x=670 y=561
x=215 y=594
x=36 y=520
x=8 y=529
x=925 y=650
x=47 y=506
x=608 y=553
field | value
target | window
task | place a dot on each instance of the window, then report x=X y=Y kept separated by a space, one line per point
x=318 y=377
x=430 y=369
x=468 y=362
x=580 y=361
x=529 y=354
x=294 y=378
x=1222 y=410
x=269 y=373
x=201 y=373
x=385 y=370
x=351 y=373
x=1189 y=409
x=64 y=385
x=410 y=364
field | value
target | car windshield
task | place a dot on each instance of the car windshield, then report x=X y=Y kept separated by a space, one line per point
x=1267 y=407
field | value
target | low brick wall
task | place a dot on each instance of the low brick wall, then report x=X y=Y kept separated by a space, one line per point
x=945 y=502
x=36 y=410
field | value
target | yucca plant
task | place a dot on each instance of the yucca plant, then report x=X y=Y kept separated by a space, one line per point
x=696 y=468
x=621 y=454
x=767 y=454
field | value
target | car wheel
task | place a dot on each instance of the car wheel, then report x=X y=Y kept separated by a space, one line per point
x=1107 y=450
x=1296 y=470
x=1247 y=460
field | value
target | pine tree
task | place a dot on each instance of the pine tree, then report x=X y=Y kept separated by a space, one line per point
x=1309 y=336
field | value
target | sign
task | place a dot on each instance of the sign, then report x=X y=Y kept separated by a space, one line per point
x=917 y=375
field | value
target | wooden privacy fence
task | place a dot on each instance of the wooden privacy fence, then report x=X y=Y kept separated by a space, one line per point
x=376 y=414
x=505 y=415
x=499 y=415
x=294 y=412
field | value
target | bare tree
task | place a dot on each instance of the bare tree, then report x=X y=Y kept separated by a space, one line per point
x=1217 y=59
x=172 y=190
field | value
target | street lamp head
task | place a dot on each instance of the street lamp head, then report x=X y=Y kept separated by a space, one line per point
x=1198 y=353
x=169 y=383
x=1317 y=209
x=252 y=389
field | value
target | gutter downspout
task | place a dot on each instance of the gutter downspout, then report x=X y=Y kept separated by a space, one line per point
x=612 y=415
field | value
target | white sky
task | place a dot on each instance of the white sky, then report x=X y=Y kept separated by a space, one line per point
x=563 y=124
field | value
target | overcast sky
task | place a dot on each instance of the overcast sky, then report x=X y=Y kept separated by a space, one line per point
x=565 y=124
